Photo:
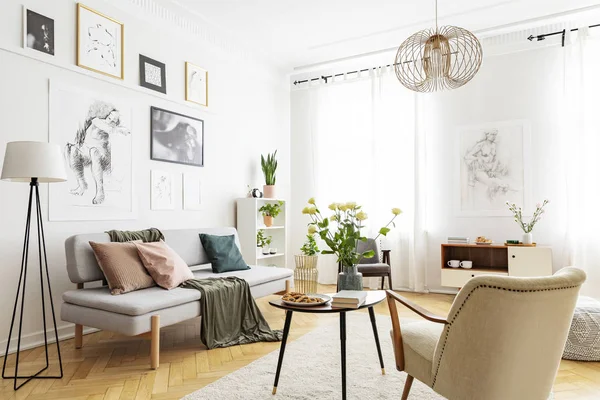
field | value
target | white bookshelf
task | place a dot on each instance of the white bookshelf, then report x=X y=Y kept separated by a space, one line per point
x=250 y=221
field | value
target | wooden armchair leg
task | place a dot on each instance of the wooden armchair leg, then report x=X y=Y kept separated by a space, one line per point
x=155 y=341
x=407 y=385
x=78 y=336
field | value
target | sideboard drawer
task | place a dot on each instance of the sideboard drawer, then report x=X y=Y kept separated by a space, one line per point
x=459 y=276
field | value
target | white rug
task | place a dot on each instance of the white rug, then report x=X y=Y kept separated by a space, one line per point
x=311 y=368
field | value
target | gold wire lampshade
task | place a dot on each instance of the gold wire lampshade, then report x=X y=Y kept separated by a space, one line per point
x=438 y=59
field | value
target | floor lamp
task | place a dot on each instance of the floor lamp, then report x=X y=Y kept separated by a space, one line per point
x=33 y=163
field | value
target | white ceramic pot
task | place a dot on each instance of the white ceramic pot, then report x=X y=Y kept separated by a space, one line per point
x=265 y=250
x=527 y=238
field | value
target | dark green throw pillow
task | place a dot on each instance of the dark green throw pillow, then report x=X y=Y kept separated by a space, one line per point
x=223 y=253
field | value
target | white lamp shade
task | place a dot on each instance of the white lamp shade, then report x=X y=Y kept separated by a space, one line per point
x=26 y=160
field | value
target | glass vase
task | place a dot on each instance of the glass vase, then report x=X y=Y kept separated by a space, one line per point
x=306 y=274
x=350 y=279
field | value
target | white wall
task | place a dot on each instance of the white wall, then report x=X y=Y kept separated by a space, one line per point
x=521 y=85
x=524 y=85
x=248 y=115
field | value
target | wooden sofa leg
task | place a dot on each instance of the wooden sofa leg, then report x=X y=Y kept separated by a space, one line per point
x=407 y=385
x=155 y=341
x=287 y=286
x=78 y=336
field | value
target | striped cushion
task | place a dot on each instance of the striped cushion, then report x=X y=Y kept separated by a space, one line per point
x=122 y=267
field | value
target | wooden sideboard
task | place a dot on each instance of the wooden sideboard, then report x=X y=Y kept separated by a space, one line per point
x=494 y=260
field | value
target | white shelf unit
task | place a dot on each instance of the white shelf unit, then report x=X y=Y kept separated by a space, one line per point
x=250 y=221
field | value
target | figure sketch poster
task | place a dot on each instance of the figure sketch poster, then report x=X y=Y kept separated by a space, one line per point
x=94 y=132
x=494 y=167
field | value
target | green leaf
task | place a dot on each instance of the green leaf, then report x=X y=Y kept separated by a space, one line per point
x=384 y=231
x=368 y=254
x=327 y=252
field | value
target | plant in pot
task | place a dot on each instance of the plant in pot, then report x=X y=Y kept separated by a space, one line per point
x=263 y=241
x=306 y=273
x=341 y=232
x=269 y=167
x=270 y=211
x=527 y=227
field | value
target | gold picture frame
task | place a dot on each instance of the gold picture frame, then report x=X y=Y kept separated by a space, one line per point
x=110 y=56
x=194 y=95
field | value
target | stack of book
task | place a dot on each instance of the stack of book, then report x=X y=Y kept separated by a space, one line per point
x=349 y=299
x=458 y=240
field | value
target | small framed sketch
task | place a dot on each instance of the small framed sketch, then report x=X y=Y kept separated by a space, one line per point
x=192 y=193
x=196 y=84
x=153 y=74
x=100 y=42
x=176 y=138
x=161 y=190
x=38 y=32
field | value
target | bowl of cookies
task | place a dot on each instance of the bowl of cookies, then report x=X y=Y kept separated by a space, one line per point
x=482 y=240
x=304 y=300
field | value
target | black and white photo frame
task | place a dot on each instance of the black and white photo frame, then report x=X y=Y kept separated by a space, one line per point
x=153 y=74
x=176 y=138
x=38 y=32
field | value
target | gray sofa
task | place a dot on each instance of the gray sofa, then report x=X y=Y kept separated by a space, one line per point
x=145 y=311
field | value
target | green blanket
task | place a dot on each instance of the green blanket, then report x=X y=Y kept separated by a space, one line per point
x=230 y=315
x=146 y=235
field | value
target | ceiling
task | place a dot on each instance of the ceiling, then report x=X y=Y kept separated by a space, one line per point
x=297 y=34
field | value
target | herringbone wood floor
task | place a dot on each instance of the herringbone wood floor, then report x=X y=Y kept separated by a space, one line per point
x=114 y=367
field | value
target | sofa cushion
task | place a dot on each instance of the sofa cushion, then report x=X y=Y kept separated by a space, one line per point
x=223 y=253
x=165 y=266
x=132 y=303
x=256 y=275
x=122 y=267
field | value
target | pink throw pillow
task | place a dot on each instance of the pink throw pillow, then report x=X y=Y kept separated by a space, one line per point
x=165 y=266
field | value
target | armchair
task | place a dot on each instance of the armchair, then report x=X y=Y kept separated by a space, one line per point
x=502 y=339
x=374 y=267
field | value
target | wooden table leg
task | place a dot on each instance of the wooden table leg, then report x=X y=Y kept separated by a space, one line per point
x=286 y=330
x=343 y=342
x=374 y=324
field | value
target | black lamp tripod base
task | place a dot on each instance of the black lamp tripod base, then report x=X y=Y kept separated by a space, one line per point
x=33 y=187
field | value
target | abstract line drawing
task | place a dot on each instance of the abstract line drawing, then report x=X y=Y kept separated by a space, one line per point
x=196 y=84
x=161 y=190
x=99 y=42
x=96 y=136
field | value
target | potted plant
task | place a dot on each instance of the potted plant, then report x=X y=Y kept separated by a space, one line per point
x=270 y=211
x=342 y=239
x=527 y=227
x=263 y=241
x=306 y=273
x=269 y=167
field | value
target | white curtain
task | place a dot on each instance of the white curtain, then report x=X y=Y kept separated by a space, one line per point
x=365 y=149
x=580 y=155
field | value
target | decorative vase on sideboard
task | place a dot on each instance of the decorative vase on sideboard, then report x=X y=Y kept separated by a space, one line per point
x=350 y=279
x=269 y=191
x=527 y=238
x=306 y=274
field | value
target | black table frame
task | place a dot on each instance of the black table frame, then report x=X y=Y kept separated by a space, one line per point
x=342 y=312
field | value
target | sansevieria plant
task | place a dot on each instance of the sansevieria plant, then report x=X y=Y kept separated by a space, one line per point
x=269 y=168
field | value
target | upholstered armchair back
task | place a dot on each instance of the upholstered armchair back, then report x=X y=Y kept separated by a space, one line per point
x=505 y=336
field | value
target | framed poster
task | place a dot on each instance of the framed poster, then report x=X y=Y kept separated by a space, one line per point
x=192 y=193
x=176 y=138
x=94 y=131
x=493 y=167
x=153 y=74
x=100 y=42
x=38 y=32
x=196 y=84
x=161 y=190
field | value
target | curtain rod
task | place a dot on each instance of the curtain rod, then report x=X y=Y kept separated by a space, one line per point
x=531 y=38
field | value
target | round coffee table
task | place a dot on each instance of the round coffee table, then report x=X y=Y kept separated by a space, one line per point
x=373 y=298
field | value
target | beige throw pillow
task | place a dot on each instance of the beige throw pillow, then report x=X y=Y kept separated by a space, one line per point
x=122 y=267
x=164 y=265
